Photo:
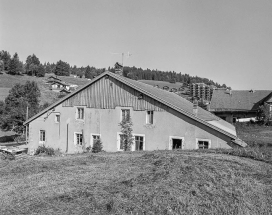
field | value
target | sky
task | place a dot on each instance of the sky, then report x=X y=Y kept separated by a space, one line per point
x=227 y=41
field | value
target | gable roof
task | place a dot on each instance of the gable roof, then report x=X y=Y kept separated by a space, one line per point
x=59 y=82
x=53 y=77
x=167 y=98
x=237 y=100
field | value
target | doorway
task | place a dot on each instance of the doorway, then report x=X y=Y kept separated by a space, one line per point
x=176 y=142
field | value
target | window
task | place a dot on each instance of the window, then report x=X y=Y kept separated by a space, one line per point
x=42 y=135
x=176 y=142
x=139 y=143
x=78 y=139
x=149 y=117
x=57 y=118
x=94 y=138
x=125 y=114
x=203 y=144
x=80 y=113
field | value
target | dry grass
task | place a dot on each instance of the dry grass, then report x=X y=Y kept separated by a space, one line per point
x=255 y=135
x=162 y=182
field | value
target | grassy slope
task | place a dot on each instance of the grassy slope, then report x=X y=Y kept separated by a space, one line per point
x=162 y=182
x=8 y=81
x=255 y=135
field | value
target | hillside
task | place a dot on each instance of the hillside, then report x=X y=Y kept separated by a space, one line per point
x=162 y=182
x=8 y=81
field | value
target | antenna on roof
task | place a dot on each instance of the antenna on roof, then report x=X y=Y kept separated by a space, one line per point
x=123 y=54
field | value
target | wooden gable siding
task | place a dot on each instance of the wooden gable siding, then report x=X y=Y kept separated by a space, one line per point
x=107 y=93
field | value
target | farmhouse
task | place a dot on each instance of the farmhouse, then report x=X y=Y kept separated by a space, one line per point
x=161 y=120
x=231 y=105
x=51 y=79
x=59 y=85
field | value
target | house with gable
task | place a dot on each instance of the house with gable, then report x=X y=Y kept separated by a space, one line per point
x=232 y=105
x=161 y=119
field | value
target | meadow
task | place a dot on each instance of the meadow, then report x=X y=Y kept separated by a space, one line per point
x=47 y=95
x=158 y=182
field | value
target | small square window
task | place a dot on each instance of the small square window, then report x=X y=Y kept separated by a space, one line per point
x=203 y=144
x=80 y=113
x=57 y=118
x=42 y=135
x=78 y=139
x=125 y=114
x=149 y=117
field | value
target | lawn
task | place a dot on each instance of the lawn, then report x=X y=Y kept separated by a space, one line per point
x=255 y=135
x=159 y=182
x=47 y=95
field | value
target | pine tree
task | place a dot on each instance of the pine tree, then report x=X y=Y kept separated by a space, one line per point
x=14 y=65
x=88 y=72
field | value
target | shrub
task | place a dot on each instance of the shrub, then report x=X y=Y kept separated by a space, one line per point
x=45 y=150
x=88 y=149
x=97 y=146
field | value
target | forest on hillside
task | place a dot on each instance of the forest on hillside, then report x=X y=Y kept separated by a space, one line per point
x=32 y=66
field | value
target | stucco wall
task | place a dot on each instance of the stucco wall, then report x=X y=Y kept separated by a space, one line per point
x=105 y=122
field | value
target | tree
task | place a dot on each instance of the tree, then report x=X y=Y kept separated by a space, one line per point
x=15 y=67
x=13 y=111
x=32 y=65
x=5 y=57
x=97 y=146
x=88 y=72
x=264 y=115
x=126 y=130
x=62 y=69
x=40 y=71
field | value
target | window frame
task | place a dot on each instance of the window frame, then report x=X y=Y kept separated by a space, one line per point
x=77 y=113
x=118 y=141
x=57 y=116
x=91 y=138
x=206 y=140
x=75 y=138
x=148 y=117
x=170 y=146
x=127 y=110
x=42 y=141
x=133 y=147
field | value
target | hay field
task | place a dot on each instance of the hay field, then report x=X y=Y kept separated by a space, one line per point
x=161 y=182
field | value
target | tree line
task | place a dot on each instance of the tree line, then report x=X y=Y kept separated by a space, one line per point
x=34 y=67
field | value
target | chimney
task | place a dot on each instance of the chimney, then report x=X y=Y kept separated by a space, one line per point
x=118 y=69
x=195 y=107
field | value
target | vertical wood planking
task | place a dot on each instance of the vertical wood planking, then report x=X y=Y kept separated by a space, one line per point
x=104 y=96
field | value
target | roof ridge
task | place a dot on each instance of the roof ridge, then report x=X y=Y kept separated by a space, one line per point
x=130 y=83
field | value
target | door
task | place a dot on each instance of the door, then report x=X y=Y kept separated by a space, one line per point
x=176 y=142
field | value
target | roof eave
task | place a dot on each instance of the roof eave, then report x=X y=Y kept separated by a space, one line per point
x=190 y=115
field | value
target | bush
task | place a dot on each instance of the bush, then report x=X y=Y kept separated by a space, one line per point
x=97 y=146
x=45 y=150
